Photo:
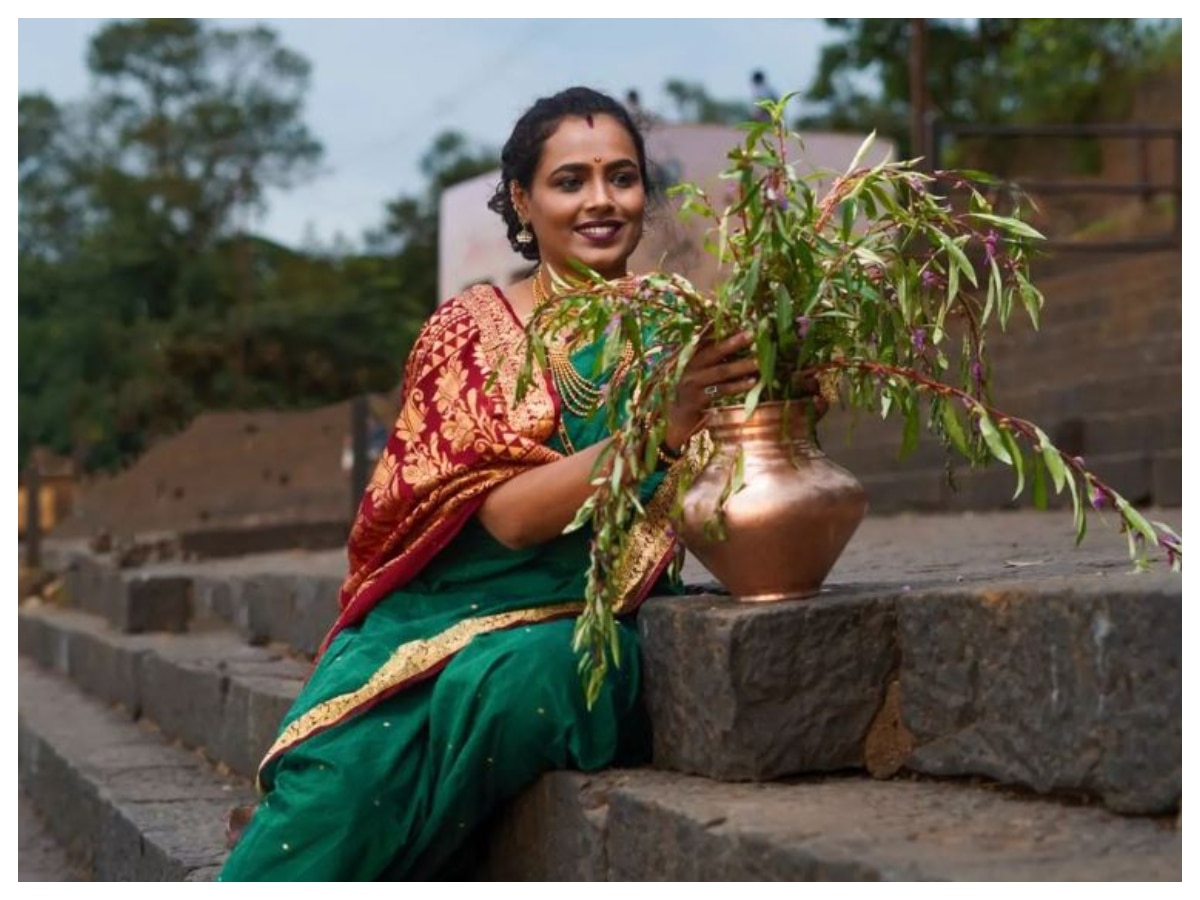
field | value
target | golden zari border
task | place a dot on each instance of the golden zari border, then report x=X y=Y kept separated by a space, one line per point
x=651 y=540
x=407 y=662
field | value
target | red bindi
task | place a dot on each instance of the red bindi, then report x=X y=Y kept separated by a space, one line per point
x=591 y=122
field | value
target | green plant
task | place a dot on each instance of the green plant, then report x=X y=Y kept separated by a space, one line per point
x=882 y=283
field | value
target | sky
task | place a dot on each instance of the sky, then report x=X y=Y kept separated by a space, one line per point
x=382 y=89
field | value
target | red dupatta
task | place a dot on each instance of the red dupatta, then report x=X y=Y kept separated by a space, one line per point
x=457 y=437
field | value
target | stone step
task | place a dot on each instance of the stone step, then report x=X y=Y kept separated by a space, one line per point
x=1057 y=683
x=210 y=690
x=287 y=598
x=1064 y=683
x=132 y=806
x=126 y=803
x=645 y=825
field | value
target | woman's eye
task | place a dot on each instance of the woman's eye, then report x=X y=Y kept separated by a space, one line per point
x=569 y=184
x=625 y=179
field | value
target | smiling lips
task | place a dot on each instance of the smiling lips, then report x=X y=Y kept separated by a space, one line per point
x=601 y=232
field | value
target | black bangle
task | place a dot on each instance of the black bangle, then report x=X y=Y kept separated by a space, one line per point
x=667 y=457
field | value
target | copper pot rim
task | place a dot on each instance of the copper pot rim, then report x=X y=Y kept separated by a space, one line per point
x=730 y=420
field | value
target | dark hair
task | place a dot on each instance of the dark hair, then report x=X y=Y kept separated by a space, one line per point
x=523 y=149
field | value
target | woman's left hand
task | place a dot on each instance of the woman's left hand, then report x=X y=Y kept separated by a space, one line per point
x=711 y=373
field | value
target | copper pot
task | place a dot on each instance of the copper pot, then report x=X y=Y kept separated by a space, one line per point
x=790 y=521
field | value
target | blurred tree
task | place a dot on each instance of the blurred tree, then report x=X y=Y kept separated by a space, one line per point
x=131 y=228
x=410 y=229
x=693 y=104
x=985 y=71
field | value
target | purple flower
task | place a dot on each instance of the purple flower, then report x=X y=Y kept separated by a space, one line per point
x=989 y=245
x=977 y=372
x=918 y=339
x=929 y=278
x=1098 y=498
x=776 y=198
x=803 y=323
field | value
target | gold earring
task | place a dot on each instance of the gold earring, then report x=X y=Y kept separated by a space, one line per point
x=524 y=236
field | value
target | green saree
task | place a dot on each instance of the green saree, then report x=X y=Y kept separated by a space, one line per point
x=451 y=695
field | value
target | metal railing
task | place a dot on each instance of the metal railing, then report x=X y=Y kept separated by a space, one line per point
x=1145 y=188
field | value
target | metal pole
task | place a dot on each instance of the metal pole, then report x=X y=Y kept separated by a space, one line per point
x=916 y=89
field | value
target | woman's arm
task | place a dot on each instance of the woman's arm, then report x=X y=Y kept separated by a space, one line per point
x=537 y=505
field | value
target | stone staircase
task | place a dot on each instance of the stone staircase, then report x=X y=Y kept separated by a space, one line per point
x=971 y=698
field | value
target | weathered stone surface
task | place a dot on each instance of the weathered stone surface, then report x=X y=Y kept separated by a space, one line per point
x=213 y=543
x=154 y=603
x=669 y=827
x=554 y=831
x=758 y=691
x=1167 y=474
x=1059 y=687
x=211 y=691
x=290 y=609
x=254 y=707
x=92 y=584
x=646 y=825
x=214 y=692
x=83 y=648
x=117 y=796
x=271 y=607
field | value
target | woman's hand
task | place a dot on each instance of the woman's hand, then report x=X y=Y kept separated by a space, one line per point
x=709 y=374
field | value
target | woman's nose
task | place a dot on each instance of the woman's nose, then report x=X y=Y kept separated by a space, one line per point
x=598 y=194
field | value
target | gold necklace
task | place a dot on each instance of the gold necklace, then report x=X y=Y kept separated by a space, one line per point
x=580 y=395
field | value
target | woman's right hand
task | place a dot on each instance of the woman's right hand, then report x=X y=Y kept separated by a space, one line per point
x=711 y=373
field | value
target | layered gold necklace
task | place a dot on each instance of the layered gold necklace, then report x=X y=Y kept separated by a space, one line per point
x=580 y=395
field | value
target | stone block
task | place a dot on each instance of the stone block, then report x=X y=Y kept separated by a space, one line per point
x=745 y=691
x=1167 y=478
x=553 y=831
x=1073 y=689
x=154 y=602
x=254 y=707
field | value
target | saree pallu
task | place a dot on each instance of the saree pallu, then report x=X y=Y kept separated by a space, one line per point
x=448 y=695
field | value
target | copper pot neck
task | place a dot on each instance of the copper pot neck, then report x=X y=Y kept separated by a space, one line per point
x=770 y=423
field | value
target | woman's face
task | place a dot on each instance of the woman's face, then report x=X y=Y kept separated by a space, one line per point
x=587 y=199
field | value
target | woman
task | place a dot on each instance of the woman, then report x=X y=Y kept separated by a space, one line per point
x=448 y=683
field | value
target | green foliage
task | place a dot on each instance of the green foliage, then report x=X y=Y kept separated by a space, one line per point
x=142 y=299
x=694 y=104
x=410 y=230
x=993 y=71
x=864 y=281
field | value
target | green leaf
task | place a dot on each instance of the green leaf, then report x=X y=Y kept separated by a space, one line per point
x=1018 y=460
x=1033 y=300
x=1039 y=482
x=902 y=296
x=1077 y=508
x=1058 y=471
x=957 y=256
x=912 y=427
x=1136 y=520
x=861 y=152
x=1015 y=226
x=991 y=436
x=954 y=430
